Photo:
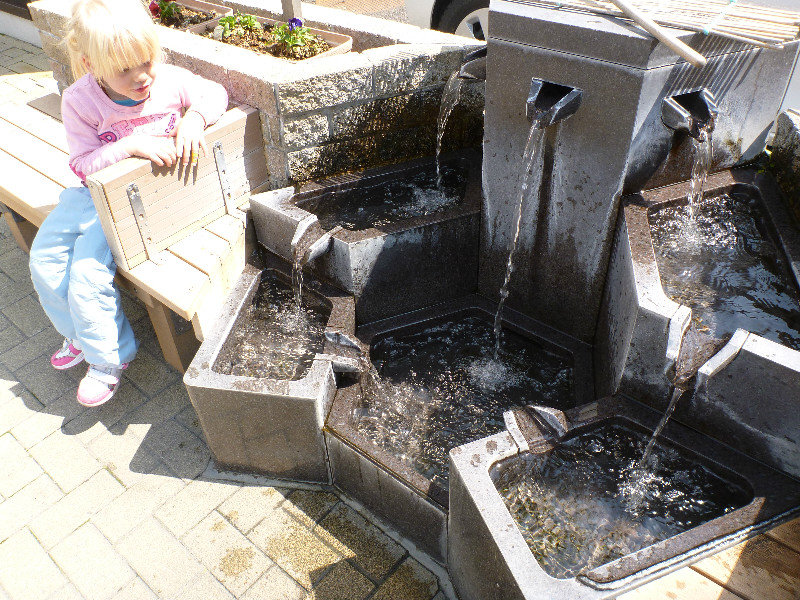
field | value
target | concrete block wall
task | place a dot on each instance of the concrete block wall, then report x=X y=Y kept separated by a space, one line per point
x=373 y=106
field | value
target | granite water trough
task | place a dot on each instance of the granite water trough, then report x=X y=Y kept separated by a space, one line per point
x=749 y=390
x=390 y=264
x=409 y=488
x=268 y=420
x=489 y=559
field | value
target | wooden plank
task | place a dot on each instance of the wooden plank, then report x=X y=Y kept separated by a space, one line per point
x=203 y=250
x=112 y=235
x=206 y=194
x=152 y=178
x=22 y=231
x=119 y=174
x=683 y=584
x=758 y=569
x=246 y=166
x=28 y=192
x=49 y=105
x=41 y=156
x=178 y=349
x=175 y=283
x=36 y=123
x=787 y=534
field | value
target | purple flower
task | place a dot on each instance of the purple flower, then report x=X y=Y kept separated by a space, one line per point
x=294 y=23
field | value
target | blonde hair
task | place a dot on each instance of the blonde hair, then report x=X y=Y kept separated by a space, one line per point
x=114 y=35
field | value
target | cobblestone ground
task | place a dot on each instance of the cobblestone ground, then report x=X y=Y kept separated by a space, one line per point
x=111 y=503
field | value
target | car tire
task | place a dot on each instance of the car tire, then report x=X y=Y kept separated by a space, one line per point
x=465 y=17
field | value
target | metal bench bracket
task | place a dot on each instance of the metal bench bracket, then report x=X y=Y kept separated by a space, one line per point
x=227 y=196
x=141 y=220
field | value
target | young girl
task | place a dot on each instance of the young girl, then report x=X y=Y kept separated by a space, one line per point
x=123 y=103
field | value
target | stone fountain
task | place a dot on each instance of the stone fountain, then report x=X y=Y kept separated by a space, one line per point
x=612 y=114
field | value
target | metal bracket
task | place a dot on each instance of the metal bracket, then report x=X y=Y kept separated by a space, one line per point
x=219 y=158
x=141 y=220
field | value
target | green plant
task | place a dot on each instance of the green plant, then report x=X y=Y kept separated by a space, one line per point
x=292 y=34
x=166 y=10
x=238 y=24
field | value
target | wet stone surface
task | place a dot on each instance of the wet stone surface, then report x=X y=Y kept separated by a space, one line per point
x=389 y=202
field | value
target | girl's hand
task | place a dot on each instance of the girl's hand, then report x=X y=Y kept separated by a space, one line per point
x=161 y=150
x=189 y=138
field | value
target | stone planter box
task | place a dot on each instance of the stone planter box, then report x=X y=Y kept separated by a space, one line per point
x=373 y=106
x=488 y=557
x=340 y=43
x=749 y=391
x=263 y=425
x=392 y=268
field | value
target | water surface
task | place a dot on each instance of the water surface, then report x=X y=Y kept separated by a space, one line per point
x=585 y=503
x=725 y=267
x=440 y=387
x=274 y=337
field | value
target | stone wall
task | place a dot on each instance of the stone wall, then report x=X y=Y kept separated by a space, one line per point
x=373 y=106
x=786 y=159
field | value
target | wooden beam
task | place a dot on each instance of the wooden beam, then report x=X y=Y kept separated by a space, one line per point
x=758 y=569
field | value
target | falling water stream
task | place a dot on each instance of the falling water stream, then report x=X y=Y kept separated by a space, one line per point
x=701 y=164
x=532 y=149
x=452 y=92
x=700 y=168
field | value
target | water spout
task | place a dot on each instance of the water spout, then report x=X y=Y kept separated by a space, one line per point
x=474 y=66
x=548 y=103
x=692 y=112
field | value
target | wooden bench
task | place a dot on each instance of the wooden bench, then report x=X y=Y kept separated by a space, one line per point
x=188 y=275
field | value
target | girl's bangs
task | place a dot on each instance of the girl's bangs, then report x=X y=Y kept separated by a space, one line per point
x=126 y=50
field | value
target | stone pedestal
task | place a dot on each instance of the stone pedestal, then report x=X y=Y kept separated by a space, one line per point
x=615 y=142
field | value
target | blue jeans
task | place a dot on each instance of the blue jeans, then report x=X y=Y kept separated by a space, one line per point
x=73 y=272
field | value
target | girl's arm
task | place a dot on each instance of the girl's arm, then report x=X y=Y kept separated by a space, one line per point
x=205 y=102
x=205 y=97
x=87 y=153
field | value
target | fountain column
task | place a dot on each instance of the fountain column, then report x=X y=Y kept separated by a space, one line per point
x=616 y=142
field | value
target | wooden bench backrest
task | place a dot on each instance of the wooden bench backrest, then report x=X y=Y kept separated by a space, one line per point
x=178 y=201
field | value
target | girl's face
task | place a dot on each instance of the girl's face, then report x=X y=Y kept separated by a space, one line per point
x=132 y=84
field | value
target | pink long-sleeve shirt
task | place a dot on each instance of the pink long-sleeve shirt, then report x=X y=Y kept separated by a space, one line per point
x=95 y=123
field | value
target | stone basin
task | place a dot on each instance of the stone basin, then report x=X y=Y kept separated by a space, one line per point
x=749 y=390
x=391 y=268
x=412 y=500
x=489 y=559
x=259 y=424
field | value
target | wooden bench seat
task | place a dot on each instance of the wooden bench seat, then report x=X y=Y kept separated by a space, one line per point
x=189 y=278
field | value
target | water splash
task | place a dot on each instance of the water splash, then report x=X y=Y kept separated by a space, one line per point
x=297 y=274
x=274 y=337
x=428 y=391
x=577 y=507
x=390 y=201
x=532 y=149
x=450 y=97
x=734 y=275
x=677 y=392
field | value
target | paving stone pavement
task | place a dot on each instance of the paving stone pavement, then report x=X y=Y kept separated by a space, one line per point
x=111 y=503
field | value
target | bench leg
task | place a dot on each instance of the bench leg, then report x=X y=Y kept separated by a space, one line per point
x=178 y=348
x=22 y=230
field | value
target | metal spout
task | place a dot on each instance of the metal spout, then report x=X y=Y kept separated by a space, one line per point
x=691 y=112
x=548 y=103
x=474 y=66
